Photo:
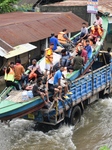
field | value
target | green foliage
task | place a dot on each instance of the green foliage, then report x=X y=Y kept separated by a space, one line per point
x=104 y=148
x=25 y=7
x=7 y=5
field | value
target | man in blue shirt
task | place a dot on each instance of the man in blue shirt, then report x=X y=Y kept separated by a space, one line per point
x=88 y=49
x=54 y=40
x=59 y=82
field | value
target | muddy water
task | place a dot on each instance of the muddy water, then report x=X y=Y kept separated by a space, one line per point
x=94 y=131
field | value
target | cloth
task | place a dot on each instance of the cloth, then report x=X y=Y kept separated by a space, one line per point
x=98 y=21
x=35 y=91
x=63 y=83
x=65 y=59
x=10 y=83
x=19 y=70
x=57 y=76
x=49 y=54
x=107 y=58
x=84 y=30
x=51 y=87
x=84 y=55
x=34 y=67
x=78 y=63
x=89 y=51
x=54 y=40
x=48 y=66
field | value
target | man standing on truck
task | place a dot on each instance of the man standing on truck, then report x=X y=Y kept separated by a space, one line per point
x=49 y=58
x=107 y=56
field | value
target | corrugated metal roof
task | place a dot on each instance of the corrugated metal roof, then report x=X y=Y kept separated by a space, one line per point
x=19 y=28
x=5 y=46
x=104 y=5
x=76 y=3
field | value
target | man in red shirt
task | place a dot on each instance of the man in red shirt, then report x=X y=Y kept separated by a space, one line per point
x=84 y=53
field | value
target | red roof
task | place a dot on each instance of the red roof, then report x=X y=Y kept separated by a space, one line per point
x=19 y=28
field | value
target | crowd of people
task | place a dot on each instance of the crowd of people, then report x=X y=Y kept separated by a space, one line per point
x=53 y=79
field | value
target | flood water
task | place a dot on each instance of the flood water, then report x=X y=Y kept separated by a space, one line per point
x=94 y=131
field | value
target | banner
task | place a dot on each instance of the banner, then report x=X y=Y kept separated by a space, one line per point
x=92 y=6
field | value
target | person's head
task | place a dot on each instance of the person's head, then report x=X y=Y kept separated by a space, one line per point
x=12 y=64
x=64 y=30
x=87 y=42
x=96 y=27
x=52 y=71
x=39 y=81
x=63 y=52
x=34 y=61
x=108 y=49
x=79 y=52
x=51 y=45
x=83 y=24
x=52 y=34
x=97 y=16
x=61 y=69
x=18 y=61
x=56 y=36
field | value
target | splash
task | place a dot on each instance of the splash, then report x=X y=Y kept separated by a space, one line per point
x=22 y=136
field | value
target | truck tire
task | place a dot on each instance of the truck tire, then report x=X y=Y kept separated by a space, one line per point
x=75 y=115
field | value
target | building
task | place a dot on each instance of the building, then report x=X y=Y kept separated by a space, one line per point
x=30 y=30
x=79 y=7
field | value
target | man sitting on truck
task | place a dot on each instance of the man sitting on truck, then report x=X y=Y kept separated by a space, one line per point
x=63 y=39
x=40 y=90
x=96 y=31
x=78 y=62
x=65 y=58
x=88 y=49
x=61 y=82
x=34 y=70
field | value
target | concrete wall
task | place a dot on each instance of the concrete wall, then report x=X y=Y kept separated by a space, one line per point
x=80 y=11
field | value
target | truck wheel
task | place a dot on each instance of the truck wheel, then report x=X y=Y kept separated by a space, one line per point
x=75 y=115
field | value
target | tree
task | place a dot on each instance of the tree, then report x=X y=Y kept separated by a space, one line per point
x=7 y=5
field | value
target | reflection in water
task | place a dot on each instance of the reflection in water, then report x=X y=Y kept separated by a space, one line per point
x=93 y=132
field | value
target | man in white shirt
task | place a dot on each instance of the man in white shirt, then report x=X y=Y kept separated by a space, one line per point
x=84 y=31
x=83 y=35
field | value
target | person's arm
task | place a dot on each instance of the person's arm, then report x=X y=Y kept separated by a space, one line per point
x=48 y=57
x=60 y=62
x=59 y=82
x=59 y=78
x=30 y=68
x=63 y=76
x=65 y=36
x=22 y=70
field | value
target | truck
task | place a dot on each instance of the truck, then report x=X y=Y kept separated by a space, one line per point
x=86 y=89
